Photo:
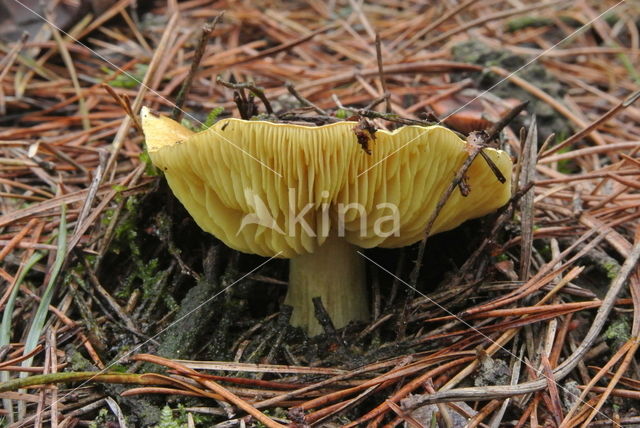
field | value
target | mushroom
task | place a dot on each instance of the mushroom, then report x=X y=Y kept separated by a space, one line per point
x=313 y=195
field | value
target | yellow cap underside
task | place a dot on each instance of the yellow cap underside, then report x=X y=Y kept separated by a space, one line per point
x=231 y=170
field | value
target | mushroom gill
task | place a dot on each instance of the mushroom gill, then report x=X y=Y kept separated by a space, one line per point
x=277 y=189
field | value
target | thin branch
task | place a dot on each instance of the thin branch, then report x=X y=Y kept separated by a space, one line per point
x=305 y=102
x=478 y=142
x=385 y=92
x=255 y=90
x=207 y=29
x=504 y=121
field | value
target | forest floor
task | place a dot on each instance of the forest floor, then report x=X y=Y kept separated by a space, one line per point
x=117 y=310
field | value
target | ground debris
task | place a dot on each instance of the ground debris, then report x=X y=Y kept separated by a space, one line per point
x=69 y=155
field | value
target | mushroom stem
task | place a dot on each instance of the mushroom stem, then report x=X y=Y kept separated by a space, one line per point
x=336 y=274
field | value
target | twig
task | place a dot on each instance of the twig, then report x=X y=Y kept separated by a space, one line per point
x=448 y=421
x=326 y=322
x=492 y=166
x=391 y=117
x=255 y=90
x=207 y=29
x=476 y=148
x=317 y=120
x=495 y=130
x=375 y=102
x=106 y=377
x=383 y=83
x=479 y=141
x=371 y=114
x=515 y=375
x=305 y=102
x=546 y=143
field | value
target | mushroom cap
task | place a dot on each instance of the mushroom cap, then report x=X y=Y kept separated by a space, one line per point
x=280 y=189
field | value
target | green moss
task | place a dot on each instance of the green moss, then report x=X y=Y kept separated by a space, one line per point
x=566 y=166
x=106 y=216
x=170 y=418
x=118 y=368
x=628 y=65
x=129 y=80
x=612 y=268
x=618 y=332
x=278 y=413
x=100 y=420
x=149 y=167
x=611 y=18
x=261 y=116
x=212 y=117
x=167 y=420
x=545 y=251
x=342 y=114
x=520 y=23
x=502 y=257
x=188 y=124
x=77 y=362
x=125 y=232
x=144 y=273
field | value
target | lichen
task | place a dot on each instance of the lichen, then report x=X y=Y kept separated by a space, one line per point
x=492 y=371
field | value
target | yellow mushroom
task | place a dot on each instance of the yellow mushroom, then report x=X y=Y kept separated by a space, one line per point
x=312 y=194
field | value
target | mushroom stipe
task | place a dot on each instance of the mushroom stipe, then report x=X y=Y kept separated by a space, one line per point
x=313 y=195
